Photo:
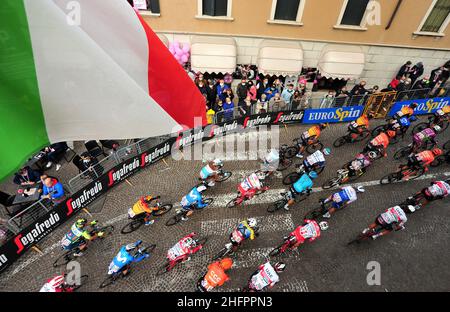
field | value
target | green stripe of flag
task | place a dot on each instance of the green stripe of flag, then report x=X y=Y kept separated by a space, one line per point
x=22 y=124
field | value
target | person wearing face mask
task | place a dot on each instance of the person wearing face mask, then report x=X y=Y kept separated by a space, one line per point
x=288 y=93
x=241 y=89
x=228 y=108
x=261 y=86
x=221 y=90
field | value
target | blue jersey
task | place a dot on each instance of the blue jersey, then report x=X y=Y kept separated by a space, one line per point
x=303 y=184
x=193 y=198
x=246 y=233
x=122 y=259
x=404 y=122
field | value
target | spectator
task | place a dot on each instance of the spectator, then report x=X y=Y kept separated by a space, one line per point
x=245 y=106
x=252 y=92
x=262 y=105
x=302 y=80
x=26 y=176
x=221 y=89
x=229 y=93
x=202 y=87
x=342 y=92
x=276 y=103
x=53 y=154
x=241 y=89
x=270 y=92
x=228 y=108
x=261 y=86
x=53 y=190
x=211 y=91
x=375 y=90
x=278 y=85
x=302 y=89
x=394 y=83
x=89 y=163
x=423 y=83
x=405 y=69
x=405 y=84
x=306 y=101
x=359 y=89
x=288 y=93
x=416 y=72
x=439 y=76
x=218 y=108
x=296 y=99
x=210 y=115
x=327 y=100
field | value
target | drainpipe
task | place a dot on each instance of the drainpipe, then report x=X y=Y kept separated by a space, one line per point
x=399 y=3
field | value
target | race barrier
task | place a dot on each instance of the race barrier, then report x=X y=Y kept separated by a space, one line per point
x=424 y=106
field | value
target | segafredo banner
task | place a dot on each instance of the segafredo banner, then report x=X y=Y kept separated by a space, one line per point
x=341 y=114
x=424 y=106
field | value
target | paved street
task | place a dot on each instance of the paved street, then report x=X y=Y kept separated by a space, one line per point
x=412 y=260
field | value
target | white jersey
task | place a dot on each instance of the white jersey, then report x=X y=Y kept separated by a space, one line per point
x=347 y=194
x=267 y=276
x=206 y=172
x=439 y=188
x=252 y=182
x=177 y=250
x=394 y=215
x=315 y=158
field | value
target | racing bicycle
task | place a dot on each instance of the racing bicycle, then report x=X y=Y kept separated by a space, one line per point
x=299 y=147
x=364 y=134
x=319 y=211
x=68 y=256
x=343 y=176
x=286 y=245
x=240 y=198
x=407 y=150
x=170 y=264
x=300 y=170
x=229 y=248
x=112 y=278
x=443 y=123
x=222 y=176
x=181 y=213
x=287 y=200
x=404 y=174
x=139 y=220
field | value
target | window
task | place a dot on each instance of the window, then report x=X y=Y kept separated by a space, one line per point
x=287 y=12
x=352 y=13
x=214 y=9
x=437 y=18
x=151 y=6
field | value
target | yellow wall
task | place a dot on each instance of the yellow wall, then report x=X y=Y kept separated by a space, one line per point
x=319 y=17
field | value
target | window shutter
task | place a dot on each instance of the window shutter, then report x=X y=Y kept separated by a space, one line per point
x=287 y=10
x=437 y=16
x=354 y=12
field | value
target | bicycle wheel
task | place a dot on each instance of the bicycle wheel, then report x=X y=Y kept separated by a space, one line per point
x=163 y=209
x=291 y=178
x=388 y=179
x=402 y=153
x=83 y=281
x=291 y=152
x=377 y=131
x=420 y=127
x=278 y=251
x=107 y=230
x=64 y=259
x=314 y=147
x=224 y=176
x=149 y=248
x=416 y=173
x=284 y=164
x=221 y=254
x=175 y=219
x=132 y=226
x=276 y=206
x=364 y=135
x=110 y=280
x=234 y=203
x=331 y=183
x=314 y=214
x=340 y=141
x=201 y=240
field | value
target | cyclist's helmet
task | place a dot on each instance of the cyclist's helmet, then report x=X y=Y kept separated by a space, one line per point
x=440 y=112
x=360 y=189
x=81 y=222
x=218 y=162
x=437 y=128
x=252 y=222
x=391 y=133
x=132 y=246
x=372 y=155
x=323 y=126
x=313 y=175
x=411 y=208
x=323 y=225
x=279 y=267
x=413 y=105
x=326 y=151
x=189 y=242
x=257 y=179
x=56 y=282
x=201 y=188
x=437 y=152
x=226 y=263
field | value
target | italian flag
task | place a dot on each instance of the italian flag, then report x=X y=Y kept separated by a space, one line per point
x=82 y=70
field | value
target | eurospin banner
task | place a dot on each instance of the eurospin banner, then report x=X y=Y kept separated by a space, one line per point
x=338 y=114
x=11 y=250
x=424 y=106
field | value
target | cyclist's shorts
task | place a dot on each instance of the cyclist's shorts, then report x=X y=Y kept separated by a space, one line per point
x=336 y=205
x=379 y=221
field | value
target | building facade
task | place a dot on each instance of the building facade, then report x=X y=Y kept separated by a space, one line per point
x=351 y=39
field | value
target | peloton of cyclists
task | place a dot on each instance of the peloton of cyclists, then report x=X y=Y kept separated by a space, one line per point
x=146 y=204
x=209 y=173
x=310 y=137
x=77 y=237
x=342 y=199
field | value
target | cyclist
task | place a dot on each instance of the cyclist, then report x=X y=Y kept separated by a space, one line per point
x=246 y=229
x=342 y=199
x=304 y=184
x=251 y=185
x=360 y=163
x=185 y=247
x=393 y=218
x=407 y=111
x=216 y=275
x=77 y=237
x=193 y=200
x=123 y=260
x=436 y=190
x=310 y=137
x=423 y=137
x=316 y=161
x=441 y=115
x=309 y=230
x=355 y=128
x=266 y=276
x=271 y=161
x=209 y=173
x=146 y=204
x=380 y=142
x=55 y=284
x=422 y=159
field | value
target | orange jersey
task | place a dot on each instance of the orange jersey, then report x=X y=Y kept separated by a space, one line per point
x=216 y=276
x=406 y=110
x=363 y=121
x=446 y=109
x=426 y=157
x=314 y=131
x=381 y=139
